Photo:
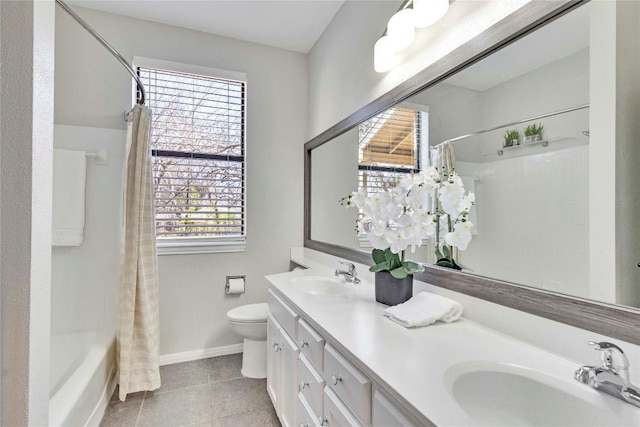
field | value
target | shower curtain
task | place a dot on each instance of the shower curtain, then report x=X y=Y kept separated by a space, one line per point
x=138 y=317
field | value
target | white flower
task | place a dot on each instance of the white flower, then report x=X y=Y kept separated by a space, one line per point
x=399 y=218
x=460 y=236
x=359 y=198
x=396 y=242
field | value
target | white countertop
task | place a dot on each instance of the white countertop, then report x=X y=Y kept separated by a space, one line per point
x=416 y=363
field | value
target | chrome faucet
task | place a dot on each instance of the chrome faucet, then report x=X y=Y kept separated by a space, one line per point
x=612 y=377
x=350 y=275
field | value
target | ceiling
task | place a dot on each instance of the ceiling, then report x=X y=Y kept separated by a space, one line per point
x=293 y=25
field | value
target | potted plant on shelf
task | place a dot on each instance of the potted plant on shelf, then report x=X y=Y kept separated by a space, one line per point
x=511 y=138
x=533 y=133
x=424 y=205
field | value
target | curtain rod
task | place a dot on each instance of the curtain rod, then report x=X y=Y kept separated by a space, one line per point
x=110 y=48
x=542 y=116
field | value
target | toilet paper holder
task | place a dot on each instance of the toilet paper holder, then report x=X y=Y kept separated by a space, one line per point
x=227 y=289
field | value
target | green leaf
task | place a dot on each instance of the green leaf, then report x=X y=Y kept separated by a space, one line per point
x=399 y=273
x=446 y=252
x=383 y=266
x=444 y=263
x=378 y=256
x=413 y=267
x=439 y=254
x=392 y=259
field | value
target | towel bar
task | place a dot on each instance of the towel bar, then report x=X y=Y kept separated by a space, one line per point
x=100 y=156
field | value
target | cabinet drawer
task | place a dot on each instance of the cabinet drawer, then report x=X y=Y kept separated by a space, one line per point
x=335 y=413
x=386 y=413
x=311 y=344
x=348 y=383
x=310 y=384
x=306 y=416
x=284 y=314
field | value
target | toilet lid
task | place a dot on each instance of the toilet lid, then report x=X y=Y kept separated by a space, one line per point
x=249 y=313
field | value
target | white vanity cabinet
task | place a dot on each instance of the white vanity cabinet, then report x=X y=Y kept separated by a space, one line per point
x=312 y=384
x=282 y=359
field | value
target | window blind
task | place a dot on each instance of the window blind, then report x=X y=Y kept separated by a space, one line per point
x=389 y=148
x=198 y=148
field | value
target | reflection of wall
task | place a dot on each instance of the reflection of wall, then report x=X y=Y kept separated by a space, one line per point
x=559 y=85
x=628 y=153
x=334 y=174
x=453 y=111
x=615 y=150
x=533 y=220
x=532 y=202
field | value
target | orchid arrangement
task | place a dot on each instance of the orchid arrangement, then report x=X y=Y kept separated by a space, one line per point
x=424 y=205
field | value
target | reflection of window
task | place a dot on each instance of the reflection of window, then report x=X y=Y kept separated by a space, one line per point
x=198 y=133
x=389 y=147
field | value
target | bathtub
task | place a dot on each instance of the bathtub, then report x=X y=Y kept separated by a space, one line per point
x=82 y=377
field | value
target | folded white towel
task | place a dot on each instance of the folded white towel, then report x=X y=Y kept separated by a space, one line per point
x=69 y=177
x=424 y=309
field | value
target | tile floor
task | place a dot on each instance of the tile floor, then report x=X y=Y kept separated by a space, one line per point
x=202 y=393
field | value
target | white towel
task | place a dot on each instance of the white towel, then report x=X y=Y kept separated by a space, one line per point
x=69 y=177
x=424 y=309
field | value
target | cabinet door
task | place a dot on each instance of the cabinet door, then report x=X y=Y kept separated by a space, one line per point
x=335 y=413
x=289 y=380
x=385 y=413
x=273 y=361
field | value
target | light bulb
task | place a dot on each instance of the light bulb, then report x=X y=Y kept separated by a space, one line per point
x=428 y=12
x=401 y=29
x=384 y=56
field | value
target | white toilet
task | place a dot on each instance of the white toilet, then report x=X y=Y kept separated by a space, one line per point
x=250 y=322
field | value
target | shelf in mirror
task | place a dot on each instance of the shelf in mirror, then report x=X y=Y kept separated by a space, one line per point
x=543 y=143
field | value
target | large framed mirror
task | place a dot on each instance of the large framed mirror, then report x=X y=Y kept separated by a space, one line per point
x=554 y=230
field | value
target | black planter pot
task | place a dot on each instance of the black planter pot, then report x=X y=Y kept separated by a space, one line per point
x=392 y=291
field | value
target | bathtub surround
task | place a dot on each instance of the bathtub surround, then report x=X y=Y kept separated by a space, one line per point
x=69 y=178
x=138 y=316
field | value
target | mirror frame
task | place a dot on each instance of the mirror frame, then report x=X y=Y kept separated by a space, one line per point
x=608 y=319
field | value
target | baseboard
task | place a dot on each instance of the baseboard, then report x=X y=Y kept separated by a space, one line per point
x=95 y=419
x=205 y=353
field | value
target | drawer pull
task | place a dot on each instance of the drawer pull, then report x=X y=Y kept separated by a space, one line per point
x=276 y=347
x=303 y=384
x=303 y=343
x=336 y=378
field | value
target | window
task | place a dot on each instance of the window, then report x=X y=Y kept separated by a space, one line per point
x=389 y=147
x=198 y=148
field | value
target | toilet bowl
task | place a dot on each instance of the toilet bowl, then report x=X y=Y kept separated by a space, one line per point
x=250 y=322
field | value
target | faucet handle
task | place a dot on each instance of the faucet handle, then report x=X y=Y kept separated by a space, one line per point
x=350 y=267
x=607 y=350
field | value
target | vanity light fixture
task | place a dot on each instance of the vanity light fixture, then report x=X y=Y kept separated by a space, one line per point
x=401 y=29
x=384 y=55
x=428 y=12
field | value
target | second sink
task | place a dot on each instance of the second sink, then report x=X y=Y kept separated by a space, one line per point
x=495 y=394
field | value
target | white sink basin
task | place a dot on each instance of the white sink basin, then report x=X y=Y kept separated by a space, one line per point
x=495 y=394
x=320 y=285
